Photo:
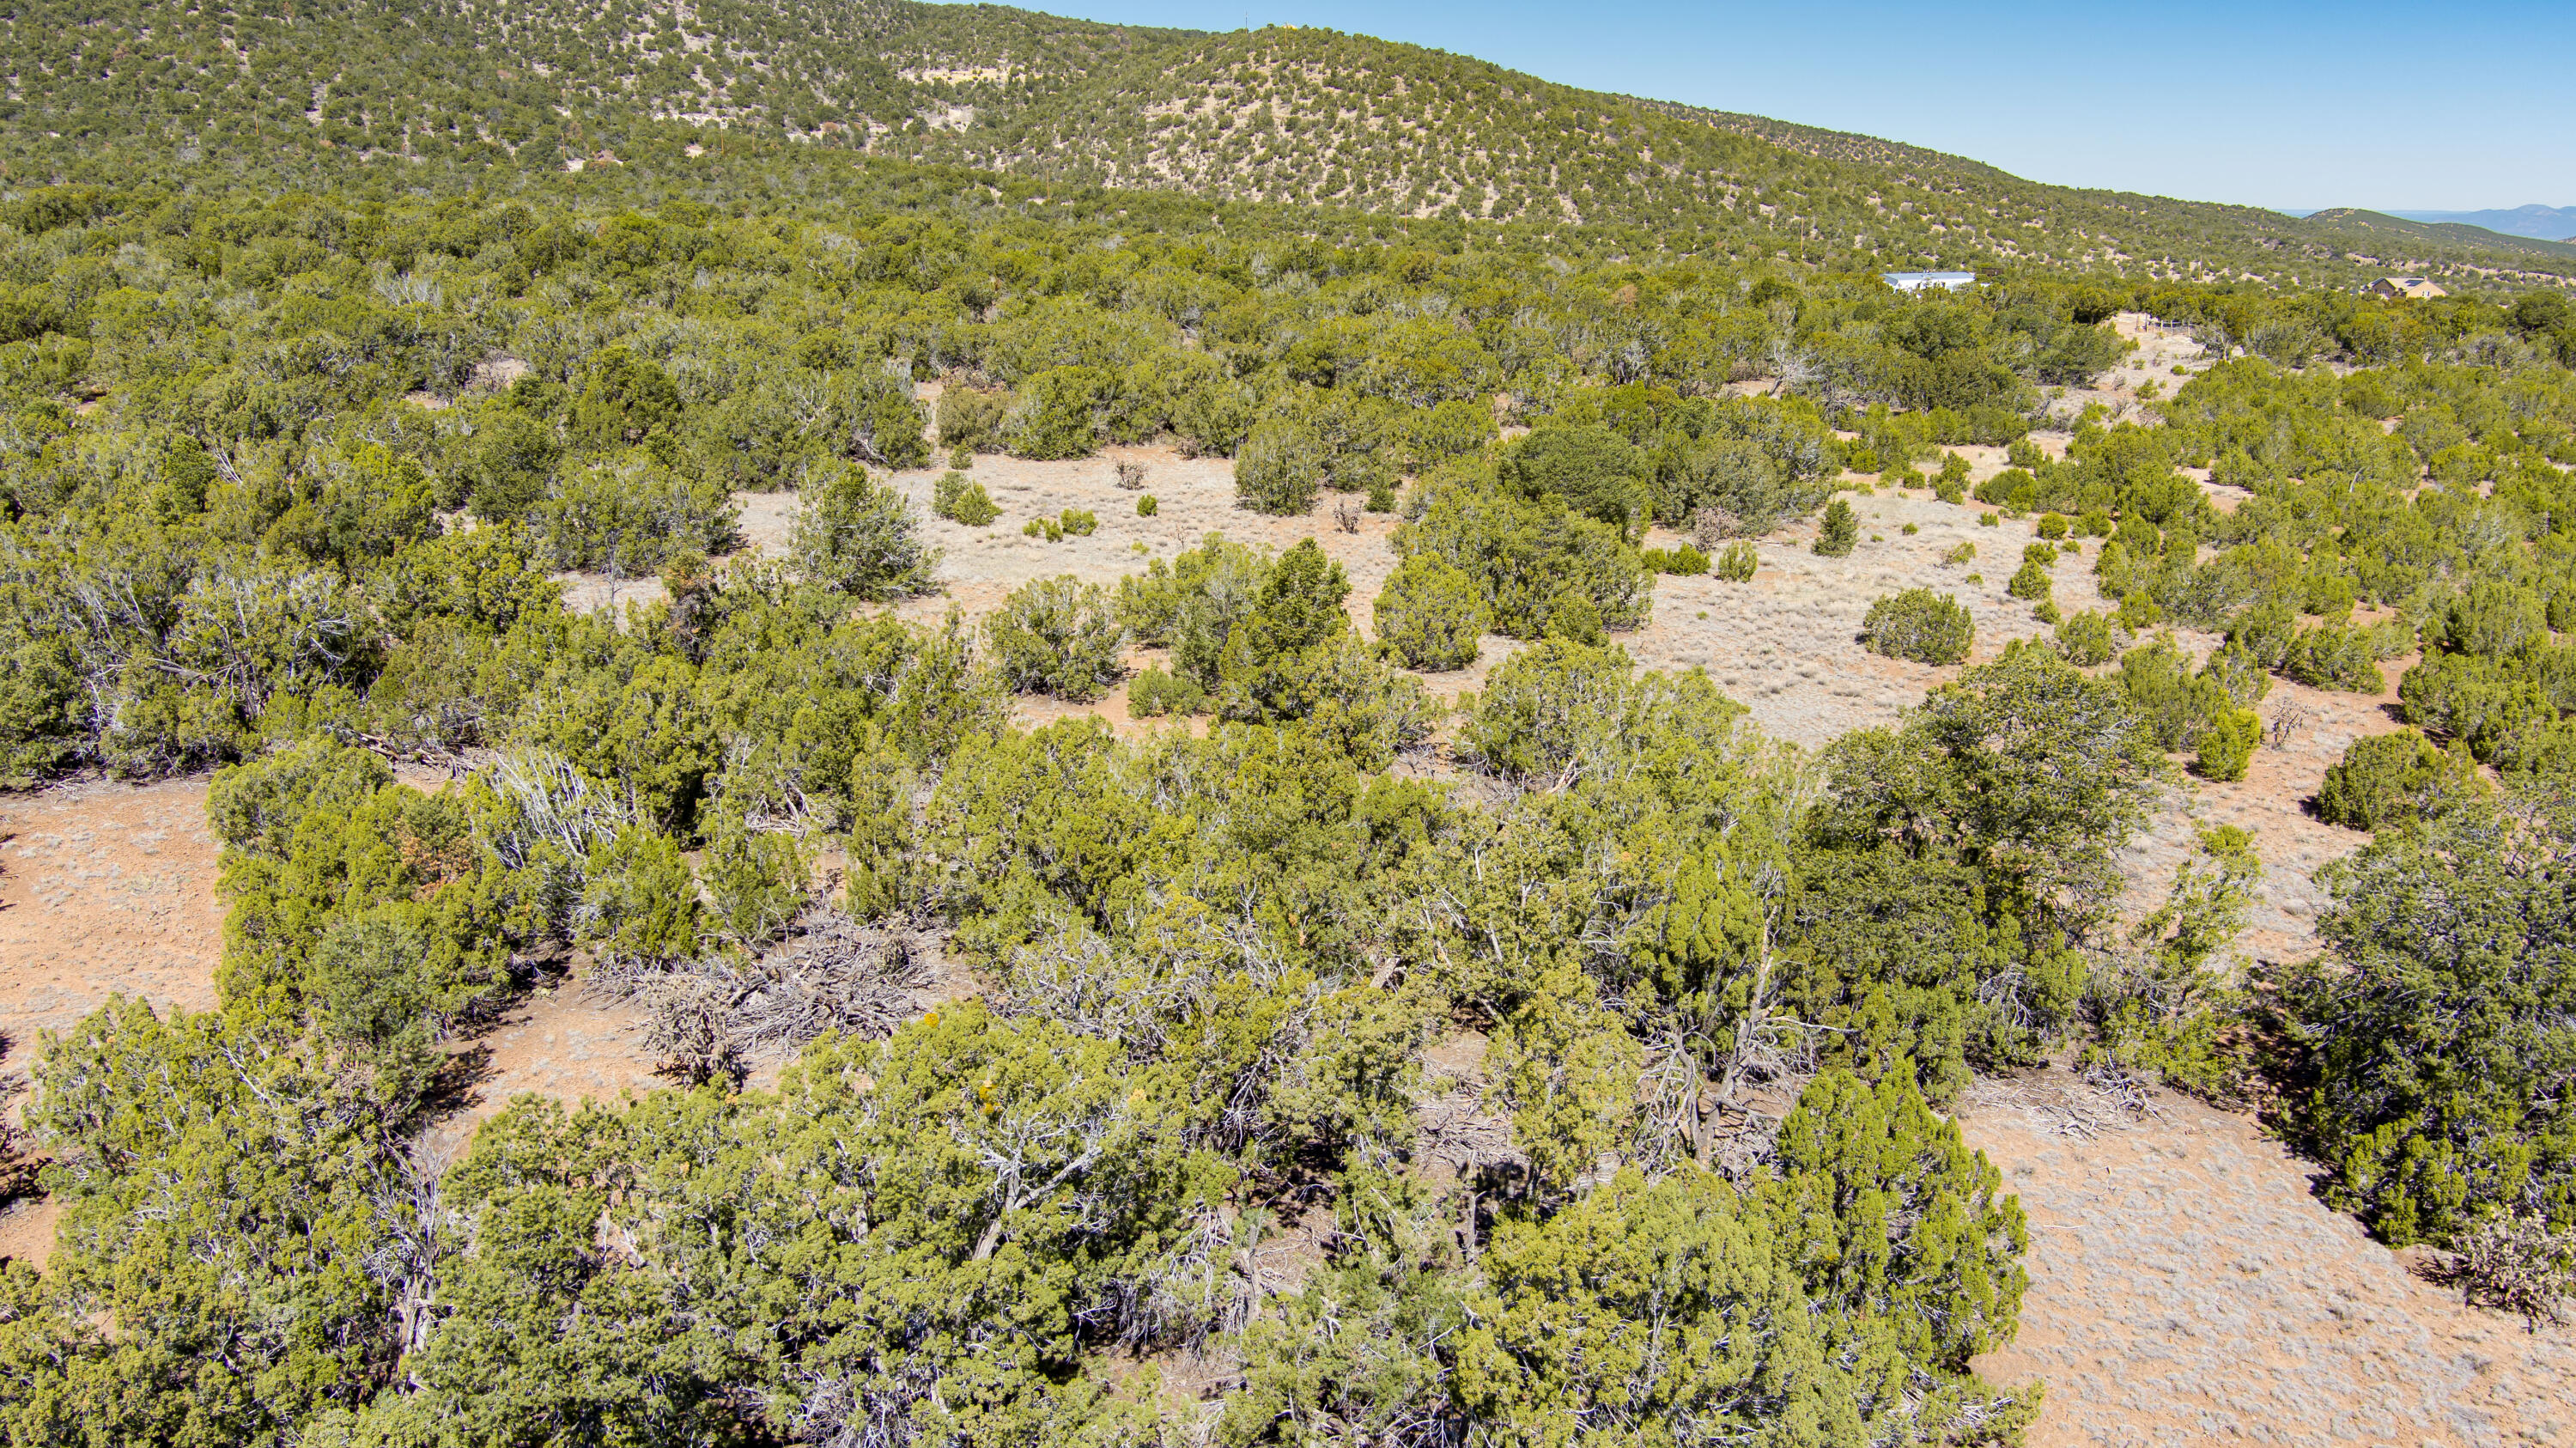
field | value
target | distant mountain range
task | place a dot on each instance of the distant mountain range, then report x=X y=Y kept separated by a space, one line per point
x=2549 y=223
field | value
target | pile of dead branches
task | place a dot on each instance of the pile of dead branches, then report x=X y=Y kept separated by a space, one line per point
x=717 y=1015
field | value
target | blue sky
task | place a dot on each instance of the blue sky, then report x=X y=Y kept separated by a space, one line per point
x=2451 y=108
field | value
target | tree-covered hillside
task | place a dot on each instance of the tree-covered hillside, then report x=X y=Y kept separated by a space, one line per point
x=1279 y=115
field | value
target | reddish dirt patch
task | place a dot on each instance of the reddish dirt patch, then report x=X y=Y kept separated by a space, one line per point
x=566 y=1042
x=2188 y=1288
x=27 y=1230
x=104 y=888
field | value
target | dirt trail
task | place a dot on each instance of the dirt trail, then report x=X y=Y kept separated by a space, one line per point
x=2188 y=1288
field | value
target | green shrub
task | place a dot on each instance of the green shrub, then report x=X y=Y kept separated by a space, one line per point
x=2238 y=674
x=2387 y=778
x=2227 y=744
x=2052 y=525
x=758 y=880
x=967 y=419
x=1051 y=529
x=961 y=499
x=2541 y=747
x=1525 y=555
x=2472 y=698
x=2435 y=1027
x=1959 y=555
x=872 y=418
x=1921 y=625
x=2030 y=581
x=638 y=900
x=1840 y=530
x=626 y=519
x=1575 y=618
x=2095 y=523
x=1146 y=507
x=1194 y=603
x=1431 y=615
x=2335 y=655
x=1738 y=562
x=2491 y=619
x=1080 y=522
x=1594 y=471
x=2330 y=593
x=2011 y=489
x=2175 y=702
x=1158 y=692
x=1685 y=562
x=2088 y=638
x=859 y=536
x=1057 y=636
x=1055 y=414
x=1279 y=469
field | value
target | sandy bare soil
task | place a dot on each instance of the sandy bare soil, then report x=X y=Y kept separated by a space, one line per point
x=104 y=888
x=2187 y=1288
x=564 y=1041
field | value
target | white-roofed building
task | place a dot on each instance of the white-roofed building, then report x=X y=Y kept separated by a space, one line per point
x=1922 y=281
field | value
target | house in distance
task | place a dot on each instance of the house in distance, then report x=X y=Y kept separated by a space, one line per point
x=1920 y=281
x=2406 y=287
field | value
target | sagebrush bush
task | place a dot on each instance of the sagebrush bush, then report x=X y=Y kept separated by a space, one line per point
x=1057 y=636
x=2514 y=1260
x=1431 y=615
x=1921 y=625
